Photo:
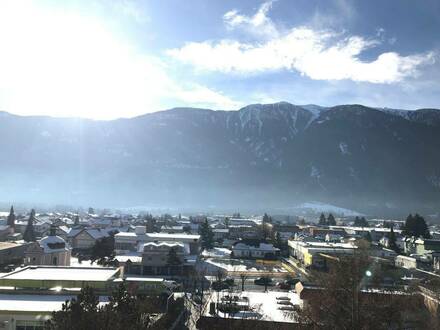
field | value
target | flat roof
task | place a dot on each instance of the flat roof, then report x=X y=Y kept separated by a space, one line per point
x=143 y=279
x=62 y=273
x=35 y=302
x=159 y=236
x=8 y=245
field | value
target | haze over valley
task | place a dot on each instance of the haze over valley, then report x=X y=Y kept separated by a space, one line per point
x=375 y=161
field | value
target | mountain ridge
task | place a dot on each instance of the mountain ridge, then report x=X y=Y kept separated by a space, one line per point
x=276 y=155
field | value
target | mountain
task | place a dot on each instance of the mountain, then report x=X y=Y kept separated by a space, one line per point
x=262 y=156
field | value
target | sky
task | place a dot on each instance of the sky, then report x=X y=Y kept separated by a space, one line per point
x=106 y=59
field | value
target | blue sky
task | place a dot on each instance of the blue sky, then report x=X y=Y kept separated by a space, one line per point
x=109 y=59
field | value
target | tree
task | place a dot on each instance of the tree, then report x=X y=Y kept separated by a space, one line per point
x=360 y=222
x=393 y=242
x=29 y=232
x=368 y=237
x=243 y=278
x=172 y=257
x=322 y=220
x=340 y=300
x=416 y=226
x=76 y=221
x=302 y=222
x=91 y=210
x=227 y=222
x=331 y=221
x=206 y=235
x=78 y=313
x=265 y=229
x=124 y=311
x=11 y=218
x=103 y=249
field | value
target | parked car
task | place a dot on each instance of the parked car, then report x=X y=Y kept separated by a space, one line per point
x=284 y=286
x=222 y=285
x=263 y=281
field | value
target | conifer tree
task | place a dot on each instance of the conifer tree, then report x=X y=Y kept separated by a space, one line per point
x=322 y=220
x=331 y=221
x=29 y=233
x=393 y=242
x=206 y=235
x=172 y=258
x=416 y=226
x=11 y=218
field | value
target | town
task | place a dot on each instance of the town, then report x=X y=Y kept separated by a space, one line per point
x=206 y=271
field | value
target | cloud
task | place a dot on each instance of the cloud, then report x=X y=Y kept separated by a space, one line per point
x=317 y=54
x=258 y=24
x=202 y=96
x=131 y=9
x=59 y=63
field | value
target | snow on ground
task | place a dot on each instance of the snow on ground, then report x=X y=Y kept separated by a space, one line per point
x=267 y=306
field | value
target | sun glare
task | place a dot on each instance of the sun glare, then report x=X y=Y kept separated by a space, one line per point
x=64 y=64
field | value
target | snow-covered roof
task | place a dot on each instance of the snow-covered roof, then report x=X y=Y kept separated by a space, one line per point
x=35 y=302
x=53 y=273
x=169 y=244
x=8 y=245
x=53 y=244
x=133 y=257
x=260 y=247
x=161 y=236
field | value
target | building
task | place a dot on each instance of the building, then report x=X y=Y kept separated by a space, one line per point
x=406 y=262
x=50 y=250
x=312 y=254
x=126 y=242
x=29 y=295
x=220 y=233
x=250 y=249
x=12 y=252
x=83 y=239
x=148 y=253
x=385 y=241
x=420 y=246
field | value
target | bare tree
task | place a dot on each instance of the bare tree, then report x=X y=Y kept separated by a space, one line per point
x=343 y=299
x=243 y=277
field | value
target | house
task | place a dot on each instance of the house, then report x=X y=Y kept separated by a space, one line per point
x=40 y=226
x=406 y=262
x=172 y=229
x=420 y=246
x=313 y=254
x=254 y=249
x=128 y=241
x=12 y=252
x=147 y=253
x=84 y=239
x=50 y=250
x=220 y=233
x=385 y=241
